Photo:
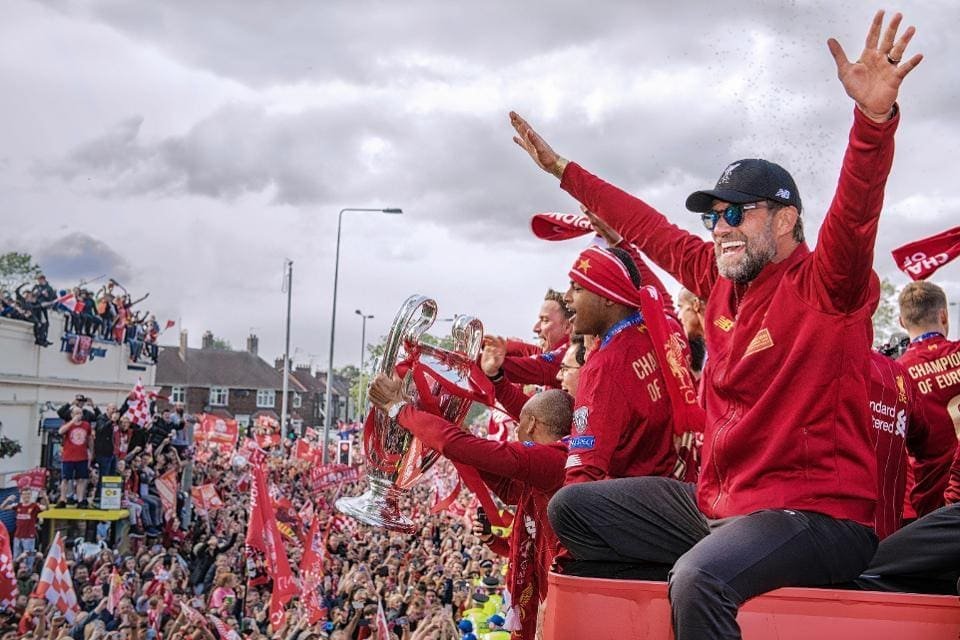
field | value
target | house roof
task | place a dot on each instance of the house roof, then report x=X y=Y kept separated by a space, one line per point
x=340 y=385
x=309 y=381
x=219 y=368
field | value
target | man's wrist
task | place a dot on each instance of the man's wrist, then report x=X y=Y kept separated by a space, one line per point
x=880 y=118
x=559 y=166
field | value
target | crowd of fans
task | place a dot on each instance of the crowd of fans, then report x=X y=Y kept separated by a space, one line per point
x=199 y=581
x=106 y=315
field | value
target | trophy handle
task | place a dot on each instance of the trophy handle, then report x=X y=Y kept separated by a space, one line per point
x=467 y=334
x=415 y=316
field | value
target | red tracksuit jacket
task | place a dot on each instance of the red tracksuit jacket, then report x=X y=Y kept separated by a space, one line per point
x=785 y=386
x=521 y=473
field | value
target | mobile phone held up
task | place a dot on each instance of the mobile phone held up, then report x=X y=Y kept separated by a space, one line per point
x=484 y=521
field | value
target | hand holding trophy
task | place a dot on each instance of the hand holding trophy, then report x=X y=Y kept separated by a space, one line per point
x=443 y=382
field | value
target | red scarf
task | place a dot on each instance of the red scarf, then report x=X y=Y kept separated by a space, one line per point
x=601 y=272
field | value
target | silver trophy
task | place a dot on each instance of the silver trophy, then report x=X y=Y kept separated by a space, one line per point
x=435 y=379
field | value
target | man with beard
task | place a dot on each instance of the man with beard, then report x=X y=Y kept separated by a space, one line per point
x=788 y=486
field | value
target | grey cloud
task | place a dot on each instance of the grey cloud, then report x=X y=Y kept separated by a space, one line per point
x=77 y=256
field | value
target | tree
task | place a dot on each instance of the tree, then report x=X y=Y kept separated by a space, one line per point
x=15 y=269
x=886 y=319
x=220 y=344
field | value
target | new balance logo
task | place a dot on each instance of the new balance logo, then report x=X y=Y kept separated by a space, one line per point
x=783 y=193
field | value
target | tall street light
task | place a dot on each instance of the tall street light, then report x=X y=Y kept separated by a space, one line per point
x=328 y=413
x=363 y=353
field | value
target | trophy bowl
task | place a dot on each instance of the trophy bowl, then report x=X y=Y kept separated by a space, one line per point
x=436 y=380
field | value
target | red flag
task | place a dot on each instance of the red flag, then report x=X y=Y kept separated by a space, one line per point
x=8 y=581
x=383 y=629
x=560 y=226
x=499 y=426
x=311 y=569
x=33 y=479
x=56 y=585
x=263 y=535
x=169 y=324
x=167 y=488
x=922 y=258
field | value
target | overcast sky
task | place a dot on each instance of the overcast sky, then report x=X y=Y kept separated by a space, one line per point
x=187 y=148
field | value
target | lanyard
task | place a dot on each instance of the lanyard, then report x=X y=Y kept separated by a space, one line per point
x=927 y=336
x=634 y=319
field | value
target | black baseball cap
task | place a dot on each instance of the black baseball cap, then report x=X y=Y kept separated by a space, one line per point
x=748 y=180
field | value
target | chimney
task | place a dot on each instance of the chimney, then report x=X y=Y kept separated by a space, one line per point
x=183 y=345
x=207 y=340
x=278 y=364
x=303 y=367
x=252 y=343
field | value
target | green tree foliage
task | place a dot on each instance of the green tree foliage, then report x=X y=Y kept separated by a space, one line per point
x=886 y=319
x=221 y=344
x=16 y=268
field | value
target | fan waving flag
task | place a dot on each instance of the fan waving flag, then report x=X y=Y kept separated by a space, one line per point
x=56 y=585
x=263 y=535
x=383 y=629
x=922 y=258
x=138 y=408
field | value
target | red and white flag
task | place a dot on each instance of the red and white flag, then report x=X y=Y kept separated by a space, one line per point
x=69 y=301
x=311 y=570
x=383 y=629
x=138 y=408
x=225 y=632
x=8 y=580
x=167 y=488
x=500 y=425
x=920 y=259
x=116 y=592
x=56 y=585
x=206 y=498
x=263 y=535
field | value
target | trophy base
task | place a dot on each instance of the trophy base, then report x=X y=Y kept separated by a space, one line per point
x=378 y=507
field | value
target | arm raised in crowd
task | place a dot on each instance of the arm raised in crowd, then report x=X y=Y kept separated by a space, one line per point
x=843 y=257
x=685 y=256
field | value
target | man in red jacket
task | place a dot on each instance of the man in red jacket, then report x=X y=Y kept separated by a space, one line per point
x=788 y=486
x=527 y=364
x=524 y=473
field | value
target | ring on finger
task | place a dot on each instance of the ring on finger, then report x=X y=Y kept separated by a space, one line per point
x=893 y=60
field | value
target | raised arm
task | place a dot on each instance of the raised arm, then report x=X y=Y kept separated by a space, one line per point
x=843 y=257
x=685 y=256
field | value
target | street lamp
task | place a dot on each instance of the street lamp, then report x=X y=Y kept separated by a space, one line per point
x=328 y=397
x=363 y=353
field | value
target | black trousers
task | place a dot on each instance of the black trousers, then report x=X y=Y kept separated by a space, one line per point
x=923 y=557
x=717 y=565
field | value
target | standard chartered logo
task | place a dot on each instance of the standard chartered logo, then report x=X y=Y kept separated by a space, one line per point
x=887 y=419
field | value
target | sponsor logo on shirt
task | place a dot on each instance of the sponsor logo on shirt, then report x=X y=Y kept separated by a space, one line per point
x=724 y=323
x=581 y=442
x=573 y=460
x=760 y=342
x=580 y=419
x=901 y=390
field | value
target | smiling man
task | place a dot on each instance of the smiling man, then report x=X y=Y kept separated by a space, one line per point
x=787 y=488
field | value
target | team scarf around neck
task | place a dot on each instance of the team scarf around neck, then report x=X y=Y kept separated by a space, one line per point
x=601 y=272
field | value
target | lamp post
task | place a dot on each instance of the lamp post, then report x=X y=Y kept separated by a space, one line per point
x=363 y=353
x=328 y=413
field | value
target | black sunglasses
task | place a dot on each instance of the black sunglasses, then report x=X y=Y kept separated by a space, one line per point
x=732 y=215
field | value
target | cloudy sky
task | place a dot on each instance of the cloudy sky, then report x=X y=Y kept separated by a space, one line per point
x=187 y=148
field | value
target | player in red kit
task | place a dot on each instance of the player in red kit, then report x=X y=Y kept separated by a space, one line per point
x=524 y=473
x=933 y=363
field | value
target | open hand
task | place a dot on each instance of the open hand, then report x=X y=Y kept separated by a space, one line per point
x=494 y=352
x=873 y=81
x=531 y=142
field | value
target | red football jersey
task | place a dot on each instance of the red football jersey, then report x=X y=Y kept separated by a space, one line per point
x=934 y=365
